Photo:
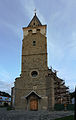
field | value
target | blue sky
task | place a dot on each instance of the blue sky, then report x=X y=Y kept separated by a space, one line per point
x=60 y=17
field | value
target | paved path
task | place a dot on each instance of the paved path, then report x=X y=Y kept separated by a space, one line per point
x=32 y=115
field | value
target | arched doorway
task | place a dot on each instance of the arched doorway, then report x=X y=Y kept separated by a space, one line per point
x=34 y=104
x=33 y=101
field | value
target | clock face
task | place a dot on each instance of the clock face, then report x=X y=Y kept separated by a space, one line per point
x=34 y=73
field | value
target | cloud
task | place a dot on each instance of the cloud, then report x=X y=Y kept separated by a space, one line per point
x=29 y=7
x=63 y=14
x=66 y=73
x=8 y=25
x=15 y=28
x=73 y=40
x=60 y=46
x=62 y=37
x=5 y=86
x=67 y=11
x=5 y=75
x=5 y=81
x=42 y=19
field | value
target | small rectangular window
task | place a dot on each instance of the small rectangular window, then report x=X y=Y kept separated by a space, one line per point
x=38 y=30
x=30 y=31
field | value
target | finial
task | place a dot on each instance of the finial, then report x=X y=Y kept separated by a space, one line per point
x=35 y=11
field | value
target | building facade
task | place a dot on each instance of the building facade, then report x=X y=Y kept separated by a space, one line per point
x=5 y=101
x=37 y=86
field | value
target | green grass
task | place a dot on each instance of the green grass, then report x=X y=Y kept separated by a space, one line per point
x=66 y=118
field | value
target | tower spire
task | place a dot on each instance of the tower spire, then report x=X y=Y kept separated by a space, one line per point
x=35 y=21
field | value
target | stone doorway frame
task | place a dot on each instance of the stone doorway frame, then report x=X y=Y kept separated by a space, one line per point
x=33 y=95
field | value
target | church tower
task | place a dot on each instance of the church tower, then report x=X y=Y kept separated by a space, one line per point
x=32 y=90
x=34 y=48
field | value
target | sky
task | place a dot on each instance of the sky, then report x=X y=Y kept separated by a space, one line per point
x=60 y=17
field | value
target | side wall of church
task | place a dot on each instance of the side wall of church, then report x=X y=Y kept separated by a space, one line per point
x=50 y=91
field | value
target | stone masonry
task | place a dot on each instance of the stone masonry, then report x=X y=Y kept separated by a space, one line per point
x=35 y=88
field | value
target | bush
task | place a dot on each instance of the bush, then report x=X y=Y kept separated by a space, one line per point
x=5 y=104
x=10 y=108
x=59 y=107
x=70 y=107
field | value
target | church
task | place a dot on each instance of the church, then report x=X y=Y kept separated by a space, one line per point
x=38 y=87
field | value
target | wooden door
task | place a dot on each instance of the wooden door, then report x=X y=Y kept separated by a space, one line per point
x=34 y=104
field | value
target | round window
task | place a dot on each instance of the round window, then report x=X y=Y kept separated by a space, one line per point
x=34 y=73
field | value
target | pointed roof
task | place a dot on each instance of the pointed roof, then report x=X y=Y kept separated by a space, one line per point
x=35 y=22
x=33 y=93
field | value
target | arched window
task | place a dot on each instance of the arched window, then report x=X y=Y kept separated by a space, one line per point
x=34 y=43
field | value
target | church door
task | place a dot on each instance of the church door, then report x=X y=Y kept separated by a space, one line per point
x=33 y=104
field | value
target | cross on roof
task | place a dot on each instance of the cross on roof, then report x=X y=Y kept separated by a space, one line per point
x=35 y=10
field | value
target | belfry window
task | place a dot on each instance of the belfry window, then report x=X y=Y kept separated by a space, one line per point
x=34 y=43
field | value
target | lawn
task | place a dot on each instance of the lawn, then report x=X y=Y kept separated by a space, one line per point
x=66 y=118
